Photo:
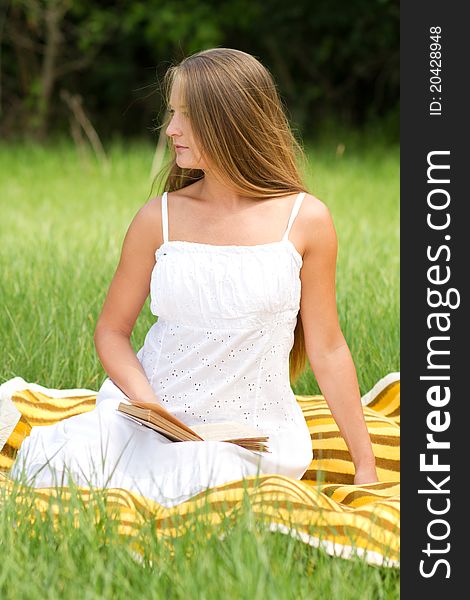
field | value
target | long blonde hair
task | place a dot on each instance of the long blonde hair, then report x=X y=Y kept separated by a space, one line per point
x=239 y=122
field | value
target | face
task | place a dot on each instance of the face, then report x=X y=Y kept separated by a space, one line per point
x=188 y=155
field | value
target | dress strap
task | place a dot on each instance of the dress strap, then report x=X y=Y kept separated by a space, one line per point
x=165 y=216
x=293 y=214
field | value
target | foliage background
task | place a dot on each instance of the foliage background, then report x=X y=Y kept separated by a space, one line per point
x=334 y=60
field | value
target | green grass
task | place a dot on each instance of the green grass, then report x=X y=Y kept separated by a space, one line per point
x=61 y=229
x=80 y=554
x=361 y=189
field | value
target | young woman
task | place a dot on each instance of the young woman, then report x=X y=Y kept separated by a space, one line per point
x=240 y=264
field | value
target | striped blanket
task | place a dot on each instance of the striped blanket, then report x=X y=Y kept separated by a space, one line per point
x=323 y=509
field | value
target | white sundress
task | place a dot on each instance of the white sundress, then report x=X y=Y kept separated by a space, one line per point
x=219 y=351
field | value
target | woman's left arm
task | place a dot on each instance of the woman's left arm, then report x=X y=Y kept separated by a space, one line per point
x=327 y=350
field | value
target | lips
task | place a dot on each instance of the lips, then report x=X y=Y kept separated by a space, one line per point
x=177 y=146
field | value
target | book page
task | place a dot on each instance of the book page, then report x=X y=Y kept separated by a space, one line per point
x=229 y=430
x=161 y=412
x=150 y=417
x=162 y=431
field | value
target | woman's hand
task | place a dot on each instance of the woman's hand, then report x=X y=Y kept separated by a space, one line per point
x=365 y=475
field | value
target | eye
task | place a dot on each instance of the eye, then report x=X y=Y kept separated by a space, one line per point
x=172 y=110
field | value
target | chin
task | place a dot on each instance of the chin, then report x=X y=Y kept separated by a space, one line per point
x=184 y=164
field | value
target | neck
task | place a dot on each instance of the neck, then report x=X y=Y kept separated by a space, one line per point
x=213 y=191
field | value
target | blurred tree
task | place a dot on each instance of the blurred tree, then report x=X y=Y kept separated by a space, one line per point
x=50 y=39
x=328 y=58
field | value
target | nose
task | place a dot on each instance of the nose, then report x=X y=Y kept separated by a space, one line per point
x=173 y=128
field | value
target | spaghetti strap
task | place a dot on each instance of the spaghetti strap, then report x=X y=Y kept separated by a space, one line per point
x=165 y=216
x=293 y=214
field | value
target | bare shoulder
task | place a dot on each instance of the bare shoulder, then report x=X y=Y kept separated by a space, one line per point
x=152 y=209
x=147 y=222
x=314 y=212
x=316 y=224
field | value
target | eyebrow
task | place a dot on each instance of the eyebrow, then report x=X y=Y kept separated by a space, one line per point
x=182 y=106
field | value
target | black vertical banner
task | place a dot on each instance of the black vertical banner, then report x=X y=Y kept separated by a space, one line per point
x=435 y=345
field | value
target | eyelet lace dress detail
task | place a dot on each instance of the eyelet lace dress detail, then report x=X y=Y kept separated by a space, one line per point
x=226 y=319
x=219 y=351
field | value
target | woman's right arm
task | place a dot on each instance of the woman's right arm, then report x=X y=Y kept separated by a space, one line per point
x=127 y=293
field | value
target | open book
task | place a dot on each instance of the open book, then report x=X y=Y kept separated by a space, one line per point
x=155 y=417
